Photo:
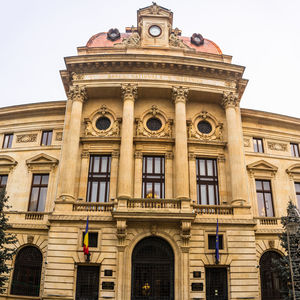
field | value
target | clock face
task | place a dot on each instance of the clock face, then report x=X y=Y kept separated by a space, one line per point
x=155 y=30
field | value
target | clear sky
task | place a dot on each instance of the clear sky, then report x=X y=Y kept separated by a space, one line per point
x=262 y=35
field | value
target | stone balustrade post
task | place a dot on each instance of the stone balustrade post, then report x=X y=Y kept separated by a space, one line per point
x=180 y=95
x=125 y=183
x=70 y=152
x=235 y=149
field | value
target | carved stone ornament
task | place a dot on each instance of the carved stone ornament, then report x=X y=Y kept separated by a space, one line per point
x=7 y=163
x=277 y=146
x=121 y=231
x=113 y=128
x=197 y=39
x=132 y=41
x=26 y=138
x=166 y=125
x=30 y=239
x=185 y=232
x=271 y=244
x=246 y=142
x=154 y=9
x=230 y=100
x=216 y=133
x=77 y=93
x=175 y=41
x=180 y=94
x=113 y=34
x=76 y=76
x=58 y=136
x=129 y=91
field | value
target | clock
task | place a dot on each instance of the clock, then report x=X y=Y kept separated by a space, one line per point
x=155 y=31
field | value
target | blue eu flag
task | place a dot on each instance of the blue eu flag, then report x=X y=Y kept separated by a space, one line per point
x=217 y=254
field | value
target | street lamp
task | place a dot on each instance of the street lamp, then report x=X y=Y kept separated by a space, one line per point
x=291 y=229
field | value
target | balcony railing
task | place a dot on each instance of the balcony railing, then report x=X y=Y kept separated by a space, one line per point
x=157 y=204
x=93 y=207
x=268 y=221
x=213 y=209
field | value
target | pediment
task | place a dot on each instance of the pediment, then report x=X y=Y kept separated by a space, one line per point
x=294 y=169
x=7 y=163
x=42 y=160
x=262 y=165
x=155 y=9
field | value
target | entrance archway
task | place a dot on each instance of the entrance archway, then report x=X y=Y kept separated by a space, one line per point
x=269 y=279
x=152 y=270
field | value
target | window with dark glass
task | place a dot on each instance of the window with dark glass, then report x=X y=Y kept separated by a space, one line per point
x=153 y=177
x=212 y=241
x=258 y=145
x=295 y=150
x=46 y=138
x=38 y=193
x=207 y=181
x=297 y=188
x=7 y=141
x=27 y=272
x=264 y=198
x=98 y=178
x=93 y=239
x=87 y=283
x=3 y=181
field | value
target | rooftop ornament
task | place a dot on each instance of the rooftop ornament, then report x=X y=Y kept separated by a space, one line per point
x=197 y=39
x=113 y=34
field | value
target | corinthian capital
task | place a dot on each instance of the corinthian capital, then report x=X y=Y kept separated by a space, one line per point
x=129 y=91
x=230 y=100
x=180 y=94
x=77 y=93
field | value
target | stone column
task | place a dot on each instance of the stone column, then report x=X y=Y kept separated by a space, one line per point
x=235 y=149
x=222 y=180
x=84 y=172
x=193 y=177
x=169 y=175
x=129 y=93
x=113 y=175
x=138 y=171
x=77 y=94
x=181 y=153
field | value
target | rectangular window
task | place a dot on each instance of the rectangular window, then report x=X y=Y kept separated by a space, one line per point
x=93 y=239
x=98 y=178
x=3 y=181
x=38 y=193
x=295 y=150
x=212 y=241
x=87 y=283
x=264 y=198
x=153 y=177
x=258 y=145
x=7 y=141
x=46 y=138
x=207 y=181
x=297 y=188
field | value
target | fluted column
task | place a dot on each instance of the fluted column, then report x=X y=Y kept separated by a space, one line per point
x=77 y=94
x=235 y=148
x=129 y=93
x=181 y=153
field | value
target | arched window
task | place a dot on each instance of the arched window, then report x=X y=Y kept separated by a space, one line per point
x=27 y=272
x=269 y=279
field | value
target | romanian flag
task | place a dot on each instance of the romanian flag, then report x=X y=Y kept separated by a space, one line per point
x=86 y=238
x=217 y=254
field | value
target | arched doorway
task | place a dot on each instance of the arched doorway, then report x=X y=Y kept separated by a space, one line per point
x=152 y=270
x=269 y=279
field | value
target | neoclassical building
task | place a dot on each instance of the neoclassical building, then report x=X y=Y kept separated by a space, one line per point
x=152 y=145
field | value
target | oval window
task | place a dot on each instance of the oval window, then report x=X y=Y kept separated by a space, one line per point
x=154 y=124
x=204 y=127
x=103 y=123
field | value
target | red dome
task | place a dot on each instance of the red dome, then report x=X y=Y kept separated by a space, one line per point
x=100 y=40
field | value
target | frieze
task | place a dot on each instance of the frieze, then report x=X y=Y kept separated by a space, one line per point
x=246 y=142
x=277 y=146
x=26 y=138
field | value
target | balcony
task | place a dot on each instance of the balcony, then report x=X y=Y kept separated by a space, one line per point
x=268 y=221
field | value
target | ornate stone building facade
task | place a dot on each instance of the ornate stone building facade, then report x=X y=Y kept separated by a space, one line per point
x=153 y=147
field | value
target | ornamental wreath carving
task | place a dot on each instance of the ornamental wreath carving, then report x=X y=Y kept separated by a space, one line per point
x=205 y=126
x=26 y=138
x=102 y=122
x=277 y=146
x=154 y=123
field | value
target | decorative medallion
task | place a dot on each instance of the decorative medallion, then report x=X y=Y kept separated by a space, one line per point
x=113 y=34
x=197 y=39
